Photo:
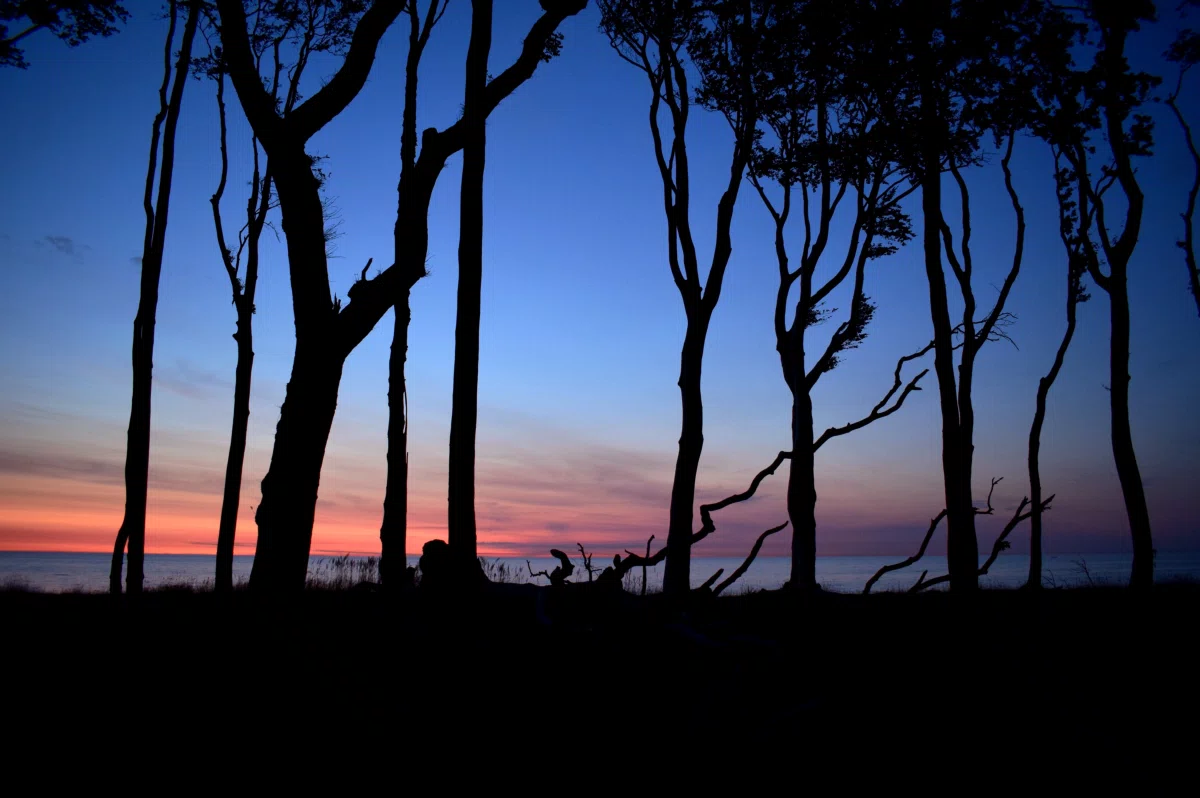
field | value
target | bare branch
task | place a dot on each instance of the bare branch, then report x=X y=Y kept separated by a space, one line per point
x=878 y=412
x=707 y=526
x=708 y=583
x=997 y=311
x=741 y=569
x=1000 y=545
x=933 y=523
x=706 y=510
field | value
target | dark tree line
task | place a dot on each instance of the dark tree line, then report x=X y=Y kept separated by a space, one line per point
x=836 y=111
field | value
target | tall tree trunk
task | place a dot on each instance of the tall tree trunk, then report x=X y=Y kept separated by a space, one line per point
x=1122 y=437
x=464 y=414
x=677 y=575
x=231 y=499
x=962 y=552
x=137 y=454
x=393 y=533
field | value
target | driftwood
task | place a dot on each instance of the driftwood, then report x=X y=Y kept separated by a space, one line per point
x=560 y=573
x=741 y=569
x=707 y=526
x=1000 y=545
x=933 y=523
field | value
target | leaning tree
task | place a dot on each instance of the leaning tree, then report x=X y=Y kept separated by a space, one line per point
x=275 y=32
x=326 y=333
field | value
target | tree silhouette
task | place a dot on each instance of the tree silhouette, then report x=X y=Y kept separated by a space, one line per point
x=1060 y=120
x=956 y=66
x=823 y=139
x=657 y=36
x=1111 y=93
x=418 y=176
x=269 y=31
x=411 y=232
x=326 y=333
x=1185 y=51
x=73 y=21
x=1073 y=231
x=465 y=401
x=137 y=454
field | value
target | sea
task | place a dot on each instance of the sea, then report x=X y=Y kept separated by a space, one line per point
x=57 y=572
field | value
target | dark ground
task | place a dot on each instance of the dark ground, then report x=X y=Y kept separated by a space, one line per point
x=1068 y=688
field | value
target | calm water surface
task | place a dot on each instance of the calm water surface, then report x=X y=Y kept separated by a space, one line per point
x=57 y=572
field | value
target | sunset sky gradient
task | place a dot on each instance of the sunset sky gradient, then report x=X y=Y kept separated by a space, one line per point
x=582 y=325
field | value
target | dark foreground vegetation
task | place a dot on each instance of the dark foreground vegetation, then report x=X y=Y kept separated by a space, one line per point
x=1071 y=686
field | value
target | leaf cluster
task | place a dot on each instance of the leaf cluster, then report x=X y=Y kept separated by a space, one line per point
x=72 y=21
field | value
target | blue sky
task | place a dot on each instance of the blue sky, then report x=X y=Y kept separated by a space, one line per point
x=581 y=324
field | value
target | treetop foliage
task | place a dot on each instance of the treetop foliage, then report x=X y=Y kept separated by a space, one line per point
x=73 y=21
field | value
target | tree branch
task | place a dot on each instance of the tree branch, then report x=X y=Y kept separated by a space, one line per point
x=707 y=526
x=1000 y=545
x=741 y=569
x=344 y=86
x=933 y=523
x=878 y=412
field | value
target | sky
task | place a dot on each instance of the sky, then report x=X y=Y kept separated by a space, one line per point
x=581 y=327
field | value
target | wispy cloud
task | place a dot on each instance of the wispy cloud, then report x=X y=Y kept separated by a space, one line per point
x=185 y=379
x=64 y=244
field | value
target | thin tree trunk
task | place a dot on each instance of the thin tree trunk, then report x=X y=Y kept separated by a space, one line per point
x=962 y=553
x=393 y=533
x=677 y=573
x=137 y=456
x=1188 y=244
x=231 y=499
x=1034 y=581
x=1130 y=476
x=465 y=411
x=258 y=205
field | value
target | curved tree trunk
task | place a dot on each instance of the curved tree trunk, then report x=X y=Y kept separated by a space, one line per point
x=1130 y=476
x=289 y=489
